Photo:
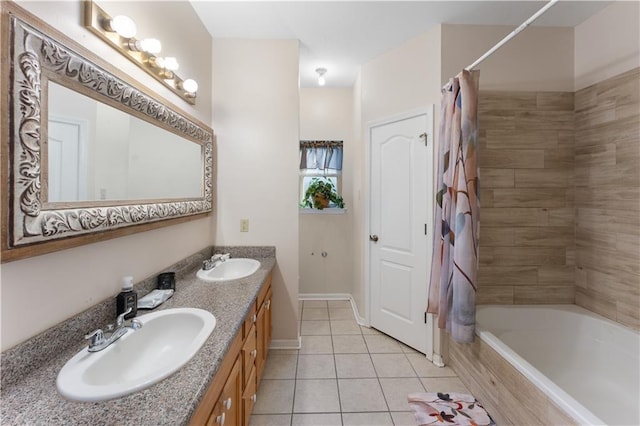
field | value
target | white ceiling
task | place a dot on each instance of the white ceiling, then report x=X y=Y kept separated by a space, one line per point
x=342 y=35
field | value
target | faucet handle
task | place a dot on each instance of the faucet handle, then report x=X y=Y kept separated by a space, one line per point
x=120 y=318
x=96 y=336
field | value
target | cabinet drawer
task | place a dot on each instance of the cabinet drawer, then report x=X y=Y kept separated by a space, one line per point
x=249 y=353
x=249 y=320
x=263 y=292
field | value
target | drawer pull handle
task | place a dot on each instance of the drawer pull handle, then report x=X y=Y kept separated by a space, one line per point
x=227 y=404
x=254 y=353
x=268 y=304
x=254 y=398
x=220 y=419
x=254 y=318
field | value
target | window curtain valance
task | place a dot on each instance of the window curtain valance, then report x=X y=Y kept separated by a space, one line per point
x=321 y=155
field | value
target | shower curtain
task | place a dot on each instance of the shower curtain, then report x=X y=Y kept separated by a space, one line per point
x=454 y=267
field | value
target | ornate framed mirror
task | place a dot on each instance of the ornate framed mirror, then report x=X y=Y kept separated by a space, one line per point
x=86 y=153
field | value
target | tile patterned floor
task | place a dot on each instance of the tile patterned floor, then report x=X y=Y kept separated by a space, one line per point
x=344 y=374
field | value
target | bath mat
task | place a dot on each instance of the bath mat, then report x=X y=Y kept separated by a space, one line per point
x=441 y=408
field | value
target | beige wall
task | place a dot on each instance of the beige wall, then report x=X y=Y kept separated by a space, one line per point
x=607 y=44
x=327 y=114
x=39 y=292
x=539 y=58
x=357 y=233
x=400 y=80
x=256 y=120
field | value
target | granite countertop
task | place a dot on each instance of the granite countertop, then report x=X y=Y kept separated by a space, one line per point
x=34 y=400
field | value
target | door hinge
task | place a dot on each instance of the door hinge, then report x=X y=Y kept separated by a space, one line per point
x=424 y=136
x=425 y=317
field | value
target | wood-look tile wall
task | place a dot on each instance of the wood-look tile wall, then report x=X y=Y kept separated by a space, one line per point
x=527 y=244
x=607 y=183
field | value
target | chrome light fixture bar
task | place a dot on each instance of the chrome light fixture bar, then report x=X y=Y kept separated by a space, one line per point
x=120 y=31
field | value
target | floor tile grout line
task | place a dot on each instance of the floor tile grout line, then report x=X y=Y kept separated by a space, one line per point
x=295 y=377
x=370 y=354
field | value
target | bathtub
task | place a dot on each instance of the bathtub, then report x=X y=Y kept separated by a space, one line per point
x=585 y=364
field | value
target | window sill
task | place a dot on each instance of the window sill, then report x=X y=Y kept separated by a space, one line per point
x=329 y=210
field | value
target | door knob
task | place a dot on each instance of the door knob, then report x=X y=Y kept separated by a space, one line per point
x=373 y=238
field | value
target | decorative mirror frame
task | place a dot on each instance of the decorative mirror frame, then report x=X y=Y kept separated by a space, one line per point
x=29 y=57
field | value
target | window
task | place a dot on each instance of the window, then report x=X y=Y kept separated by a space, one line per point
x=320 y=159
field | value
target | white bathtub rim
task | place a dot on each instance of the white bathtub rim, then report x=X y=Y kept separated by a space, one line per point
x=561 y=398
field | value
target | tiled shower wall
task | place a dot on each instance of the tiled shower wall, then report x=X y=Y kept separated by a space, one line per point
x=607 y=182
x=527 y=249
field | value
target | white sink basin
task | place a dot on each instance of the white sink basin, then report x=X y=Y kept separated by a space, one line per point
x=230 y=269
x=167 y=340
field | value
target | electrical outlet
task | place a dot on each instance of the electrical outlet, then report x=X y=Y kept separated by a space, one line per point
x=244 y=225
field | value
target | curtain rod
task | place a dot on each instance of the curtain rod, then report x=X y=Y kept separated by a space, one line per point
x=515 y=32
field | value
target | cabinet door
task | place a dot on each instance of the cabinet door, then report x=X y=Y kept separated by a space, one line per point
x=218 y=416
x=249 y=398
x=249 y=354
x=231 y=397
x=267 y=320
x=261 y=342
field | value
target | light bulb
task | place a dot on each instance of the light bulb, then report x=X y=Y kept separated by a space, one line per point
x=123 y=25
x=157 y=62
x=171 y=63
x=321 y=81
x=190 y=85
x=150 y=45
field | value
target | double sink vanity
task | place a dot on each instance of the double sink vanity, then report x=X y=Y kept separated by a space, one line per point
x=197 y=359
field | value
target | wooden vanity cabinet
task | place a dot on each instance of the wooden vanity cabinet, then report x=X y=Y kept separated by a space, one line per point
x=232 y=394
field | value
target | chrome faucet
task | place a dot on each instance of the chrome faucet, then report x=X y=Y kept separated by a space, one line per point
x=97 y=339
x=215 y=260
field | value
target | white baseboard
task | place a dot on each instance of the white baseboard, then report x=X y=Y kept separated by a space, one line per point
x=337 y=296
x=286 y=343
x=359 y=319
x=438 y=361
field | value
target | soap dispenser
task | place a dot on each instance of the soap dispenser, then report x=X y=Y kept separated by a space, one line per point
x=127 y=298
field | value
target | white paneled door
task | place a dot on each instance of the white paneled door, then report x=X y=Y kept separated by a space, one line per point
x=66 y=154
x=400 y=214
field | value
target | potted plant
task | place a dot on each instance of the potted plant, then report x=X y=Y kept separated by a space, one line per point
x=321 y=193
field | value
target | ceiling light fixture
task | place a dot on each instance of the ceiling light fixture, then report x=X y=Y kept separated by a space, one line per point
x=321 y=72
x=119 y=33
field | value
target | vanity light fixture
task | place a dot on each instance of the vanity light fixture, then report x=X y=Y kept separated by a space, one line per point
x=119 y=32
x=321 y=72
